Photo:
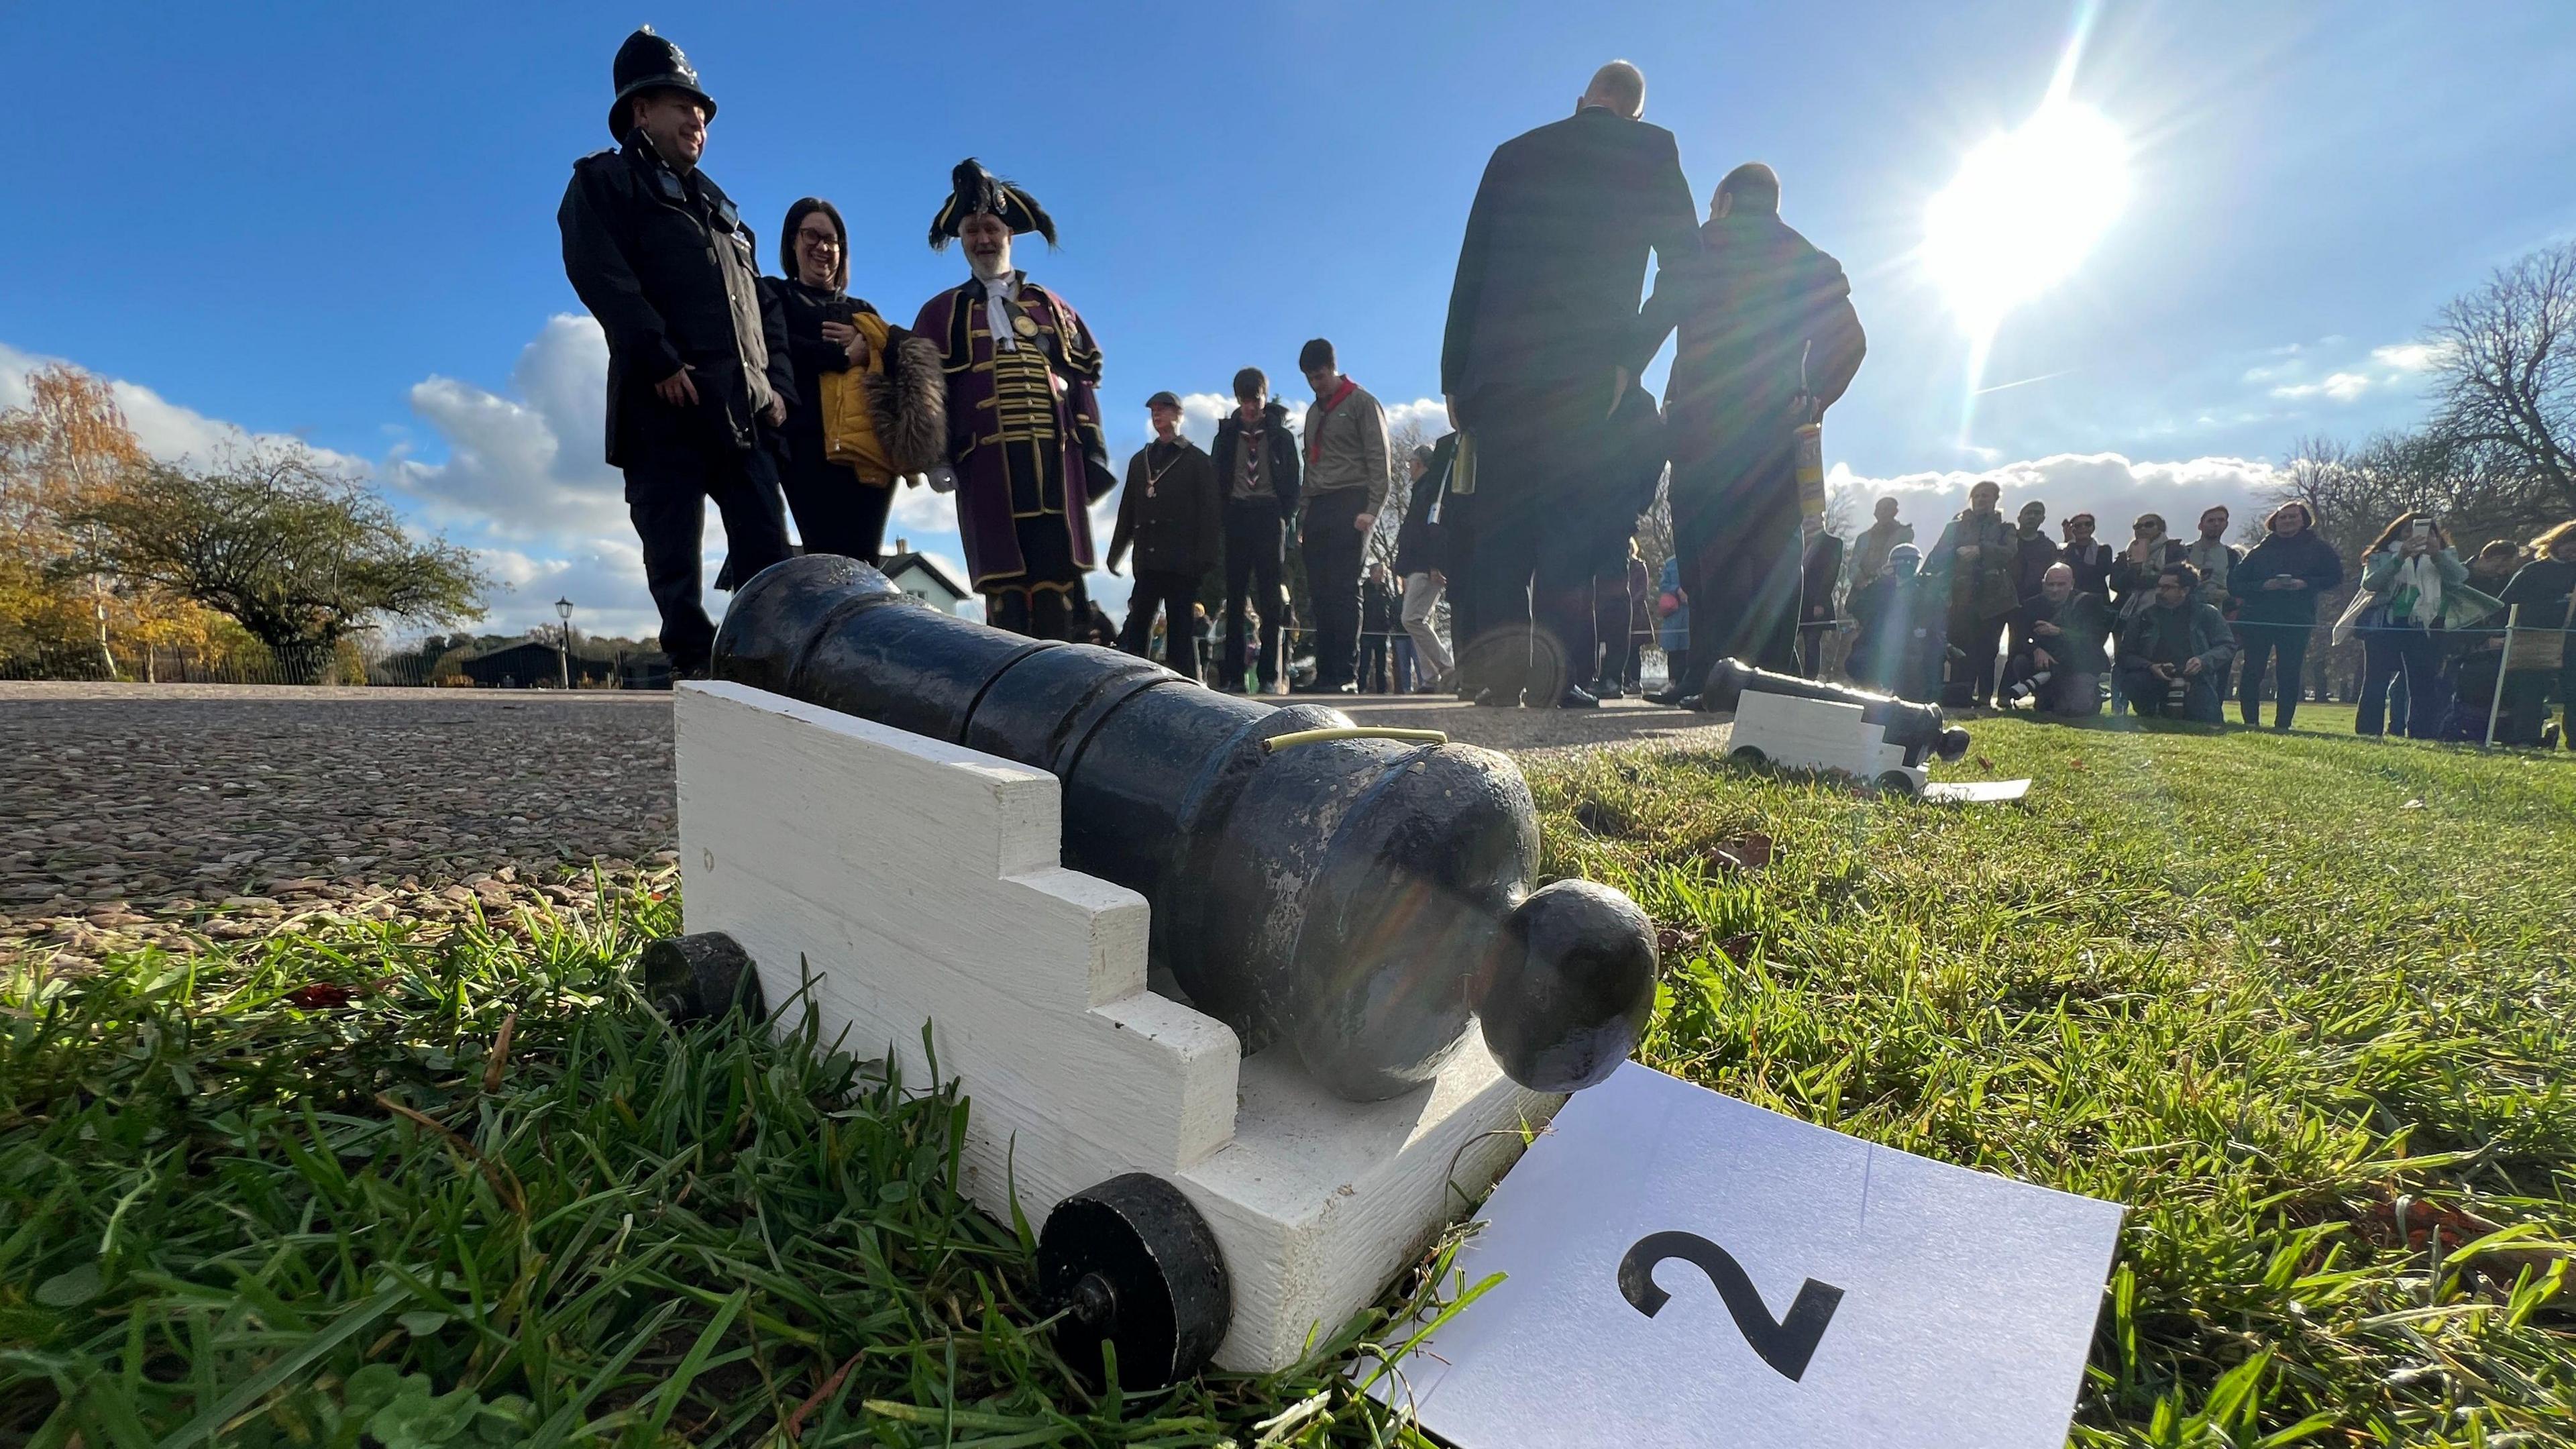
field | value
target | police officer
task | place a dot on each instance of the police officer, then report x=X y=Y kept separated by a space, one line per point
x=695 y=369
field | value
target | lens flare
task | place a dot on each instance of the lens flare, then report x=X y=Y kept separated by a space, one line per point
x=2024 y=210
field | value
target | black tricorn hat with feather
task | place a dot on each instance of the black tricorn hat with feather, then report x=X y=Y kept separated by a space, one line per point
x=974 y=191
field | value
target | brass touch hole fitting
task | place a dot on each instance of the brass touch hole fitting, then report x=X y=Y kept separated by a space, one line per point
x=1276 y=743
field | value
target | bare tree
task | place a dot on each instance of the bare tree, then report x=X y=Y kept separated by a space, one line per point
x=2505 y=367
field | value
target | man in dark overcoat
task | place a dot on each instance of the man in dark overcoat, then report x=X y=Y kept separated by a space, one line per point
x=1172 y=514
x=1769 y=340
x=1539 y=351
x=696 y=367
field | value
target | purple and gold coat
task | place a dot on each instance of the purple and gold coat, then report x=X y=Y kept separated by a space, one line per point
x=1008 y=491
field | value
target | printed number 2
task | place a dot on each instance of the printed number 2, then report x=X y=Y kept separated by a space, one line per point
x=1786 y=1345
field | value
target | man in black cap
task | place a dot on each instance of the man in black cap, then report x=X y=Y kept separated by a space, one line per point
x=696 y=368
x=1173 y=515
x=1542 y=325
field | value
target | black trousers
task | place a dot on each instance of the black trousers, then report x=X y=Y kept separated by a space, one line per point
x=1971 y=679
x=2263 y=643
x=2152 y=696
x=1333 y=548
x=1173 y=593
x=835 y=512
x=1537 y=448
x=666 y=496
x=1811 y=648
x=1255 y=546
x=2526 y=705
x=1374 y=675
x=2389 y=652
x=1611 y=608
x=1458 y=555
x=1735 y=525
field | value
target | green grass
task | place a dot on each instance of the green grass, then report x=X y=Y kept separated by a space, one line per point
x=2314 y=1037
x=2273 y=992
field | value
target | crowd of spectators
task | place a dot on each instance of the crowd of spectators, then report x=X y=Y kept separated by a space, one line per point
x=1999 y=615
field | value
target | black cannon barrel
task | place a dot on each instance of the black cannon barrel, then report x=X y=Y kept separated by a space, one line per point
x=1917 y=728
x=1356 y=899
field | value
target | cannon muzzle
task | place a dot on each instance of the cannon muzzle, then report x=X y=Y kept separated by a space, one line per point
x=1354 y=898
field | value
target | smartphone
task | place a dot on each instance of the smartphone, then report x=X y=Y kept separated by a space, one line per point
x=2423 y=528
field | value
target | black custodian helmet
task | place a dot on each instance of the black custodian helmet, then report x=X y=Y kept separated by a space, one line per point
x=647 y=62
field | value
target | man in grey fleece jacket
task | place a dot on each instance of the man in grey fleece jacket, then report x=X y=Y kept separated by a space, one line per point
x=1346 y=483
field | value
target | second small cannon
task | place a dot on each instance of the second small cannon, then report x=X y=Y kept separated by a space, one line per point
x=1353 y=896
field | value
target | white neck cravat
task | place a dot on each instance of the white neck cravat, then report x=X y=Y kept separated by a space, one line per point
x=998 y=293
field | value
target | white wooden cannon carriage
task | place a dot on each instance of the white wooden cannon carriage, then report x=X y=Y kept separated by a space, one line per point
x=899 y=880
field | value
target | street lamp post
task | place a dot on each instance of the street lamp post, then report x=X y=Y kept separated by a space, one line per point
x=563 y=654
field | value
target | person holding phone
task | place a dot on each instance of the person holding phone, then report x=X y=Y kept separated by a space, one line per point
x=2412 y=584
x=2277 y=586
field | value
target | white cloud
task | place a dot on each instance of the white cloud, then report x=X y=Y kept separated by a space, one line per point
x=1430 y=412
x=2113 y=488
x=166 y=430
x=2412 y=356
x=2339 y=386
x=524 y=467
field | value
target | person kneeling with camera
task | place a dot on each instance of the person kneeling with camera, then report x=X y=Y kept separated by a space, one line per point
x=2175 y=652
x=2062 y=660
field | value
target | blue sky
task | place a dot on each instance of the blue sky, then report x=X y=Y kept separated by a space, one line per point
x=337 y=221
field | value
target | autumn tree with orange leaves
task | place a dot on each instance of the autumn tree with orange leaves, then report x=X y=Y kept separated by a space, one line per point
x=64 y=454
x=67 y=447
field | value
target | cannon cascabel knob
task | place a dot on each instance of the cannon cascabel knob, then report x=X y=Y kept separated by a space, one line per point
x=1567 y=986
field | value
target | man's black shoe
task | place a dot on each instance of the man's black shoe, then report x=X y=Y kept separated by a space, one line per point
x=1498 y=699
x=1346 y=689
x=1574 y=698
x=1604 y=689
x=1668 y=696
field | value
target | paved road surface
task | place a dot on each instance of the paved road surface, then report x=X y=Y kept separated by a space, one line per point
x=137 y=813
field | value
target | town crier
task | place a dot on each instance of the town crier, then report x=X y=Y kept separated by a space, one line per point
x=1025 y=451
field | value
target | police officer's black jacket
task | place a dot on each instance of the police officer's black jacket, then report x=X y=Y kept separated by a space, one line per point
x=667 y=267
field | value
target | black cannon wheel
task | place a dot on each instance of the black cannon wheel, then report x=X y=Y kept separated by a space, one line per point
x=1131 y=1264
x=697 y=978
x=1897 y=782
x=1748 y=755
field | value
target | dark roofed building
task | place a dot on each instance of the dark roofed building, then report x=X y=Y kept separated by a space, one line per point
x=534 y=664
x=916 y=575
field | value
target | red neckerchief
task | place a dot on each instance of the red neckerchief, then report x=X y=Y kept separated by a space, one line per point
x=1315 y=439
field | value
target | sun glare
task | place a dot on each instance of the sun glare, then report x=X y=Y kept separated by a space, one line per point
x=2024 y=210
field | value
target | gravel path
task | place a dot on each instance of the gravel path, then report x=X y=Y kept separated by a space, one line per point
x=138 y=813
x=135 y=813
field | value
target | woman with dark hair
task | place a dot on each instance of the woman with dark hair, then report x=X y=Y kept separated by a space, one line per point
x=2544 y=588
x=840 y=462
x=2277 y=585
x=2413 y=586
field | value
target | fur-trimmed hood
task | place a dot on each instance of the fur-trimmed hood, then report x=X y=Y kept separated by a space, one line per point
x=909 y=403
